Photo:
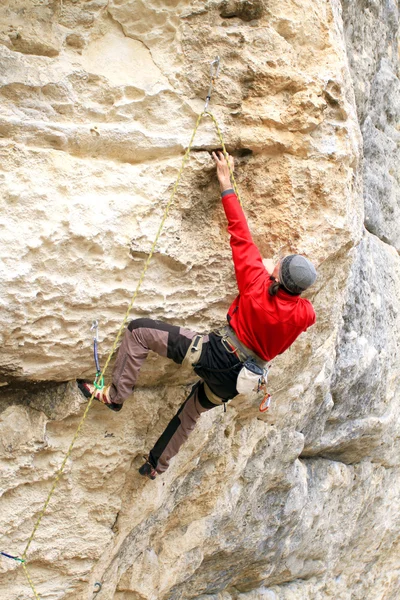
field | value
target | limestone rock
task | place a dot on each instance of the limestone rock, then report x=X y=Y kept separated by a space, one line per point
x=372 y=36
x=364 y=421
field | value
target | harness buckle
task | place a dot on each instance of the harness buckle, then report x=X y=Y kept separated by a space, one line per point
x=195 y=345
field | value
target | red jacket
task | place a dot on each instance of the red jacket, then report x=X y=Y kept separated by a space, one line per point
x=266 y=324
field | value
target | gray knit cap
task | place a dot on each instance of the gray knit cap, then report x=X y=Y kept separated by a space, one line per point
x=296 y=273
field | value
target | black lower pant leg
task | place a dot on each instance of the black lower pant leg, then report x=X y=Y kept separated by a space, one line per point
x=179 y=428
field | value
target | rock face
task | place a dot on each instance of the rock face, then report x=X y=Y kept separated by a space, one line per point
x=98 y=102
x=372 y=41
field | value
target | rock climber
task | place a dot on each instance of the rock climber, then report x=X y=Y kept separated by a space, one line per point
x=263 y=321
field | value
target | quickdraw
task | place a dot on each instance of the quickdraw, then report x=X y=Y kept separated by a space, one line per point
x=99 y=379
x=20 y=560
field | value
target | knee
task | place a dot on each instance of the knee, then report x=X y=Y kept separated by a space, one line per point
x=139 y=323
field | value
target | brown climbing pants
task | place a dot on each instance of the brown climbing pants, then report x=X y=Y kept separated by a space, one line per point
x=217 y=368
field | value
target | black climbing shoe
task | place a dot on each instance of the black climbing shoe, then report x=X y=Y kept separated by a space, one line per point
x=147 y=470
x=87 y=390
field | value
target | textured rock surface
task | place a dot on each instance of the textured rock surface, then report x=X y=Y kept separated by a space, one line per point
x=373 y=44
x=98 y=101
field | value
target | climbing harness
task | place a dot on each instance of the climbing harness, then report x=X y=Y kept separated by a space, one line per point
x=99 y=379
x=214 y=70
x=252 y=377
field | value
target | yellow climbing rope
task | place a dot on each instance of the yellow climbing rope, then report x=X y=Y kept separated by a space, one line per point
x=23 y=560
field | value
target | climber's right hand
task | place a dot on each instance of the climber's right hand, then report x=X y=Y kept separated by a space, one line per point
x=223 y=173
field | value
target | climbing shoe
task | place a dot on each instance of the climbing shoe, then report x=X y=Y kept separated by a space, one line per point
x=102 y=396
x=147 y=470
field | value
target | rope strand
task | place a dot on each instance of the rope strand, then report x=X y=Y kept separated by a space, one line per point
x=37 y=597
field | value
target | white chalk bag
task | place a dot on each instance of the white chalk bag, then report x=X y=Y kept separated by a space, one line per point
x=251 y=379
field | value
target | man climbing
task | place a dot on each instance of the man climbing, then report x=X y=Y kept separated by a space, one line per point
x=263 y=321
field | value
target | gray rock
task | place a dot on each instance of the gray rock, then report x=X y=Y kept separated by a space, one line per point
x=365 y=385
x=372 y=30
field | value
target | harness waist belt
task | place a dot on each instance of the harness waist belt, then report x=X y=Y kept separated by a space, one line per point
x=243 y=352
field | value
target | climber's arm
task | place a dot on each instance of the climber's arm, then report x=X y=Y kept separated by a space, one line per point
x=246 y=256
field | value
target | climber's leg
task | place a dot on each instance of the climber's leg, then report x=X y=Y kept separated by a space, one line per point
x=178 y=430
x=141 y=336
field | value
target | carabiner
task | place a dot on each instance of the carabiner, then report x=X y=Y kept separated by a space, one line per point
x=95 y=327
x=265 y=403
x=216 y=62
x=214 y=70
